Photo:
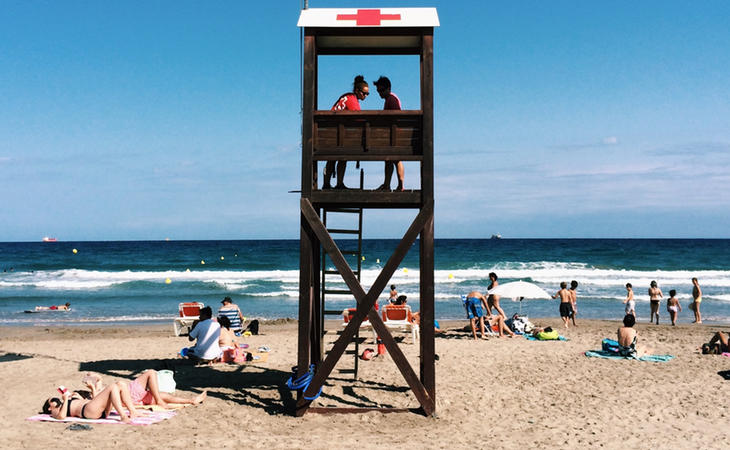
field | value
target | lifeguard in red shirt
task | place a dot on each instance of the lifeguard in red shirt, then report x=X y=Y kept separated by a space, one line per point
x=349 y=102
x=391 y=102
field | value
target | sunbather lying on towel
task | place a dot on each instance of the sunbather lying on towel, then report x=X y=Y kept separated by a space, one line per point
x=145 y=390
x=71 y=404
x=717 y=345
x=498 y=322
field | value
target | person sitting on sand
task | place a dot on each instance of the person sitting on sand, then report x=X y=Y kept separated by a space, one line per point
x=234 y=314
x=473 y=304
x=227 y=339
x=630 y=302
x=497 y=321
x=627 y=337
x=207 y=332
x=655 y=295
x=493 y=300
x=116 y=396
x=673 y=306
x=65 y=307
x=566 y=308
x=718 y=344
x=697 y=299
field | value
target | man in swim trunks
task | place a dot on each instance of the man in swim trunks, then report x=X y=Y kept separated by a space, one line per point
x=697 y=296
x=566 y=308
x=473 y=304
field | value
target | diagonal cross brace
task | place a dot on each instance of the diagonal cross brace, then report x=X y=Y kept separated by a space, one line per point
x=365 y=302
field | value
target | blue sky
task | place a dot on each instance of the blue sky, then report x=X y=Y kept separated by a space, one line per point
x=148 y=120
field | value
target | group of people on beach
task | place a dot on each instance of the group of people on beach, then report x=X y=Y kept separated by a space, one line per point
x=476 y=303
x=673 y=305
x=350 y=101
x=568 y=307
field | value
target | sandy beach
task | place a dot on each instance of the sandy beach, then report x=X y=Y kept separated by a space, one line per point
x=501 y=393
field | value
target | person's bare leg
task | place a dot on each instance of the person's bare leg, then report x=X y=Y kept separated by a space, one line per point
x=698 y=313
x=388 y=176
x=107 y=399
x=473 y=322
x=126 y=397
x=401 y=176
x=481 y=327
x=565 y=321
x=329 y=169
x=341 y=167
x=149 y=381
x=198 y=399
x=495 y=303
x=504 y=328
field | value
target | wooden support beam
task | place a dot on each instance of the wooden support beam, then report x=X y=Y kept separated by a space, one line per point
x=365 y=306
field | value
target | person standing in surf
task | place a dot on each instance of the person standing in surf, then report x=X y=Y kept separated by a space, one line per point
x=697 y=299
x=655 y=294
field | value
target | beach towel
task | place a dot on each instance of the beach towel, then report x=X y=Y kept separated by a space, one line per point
x=145 y=418
x=611 y=355
x=530 y=337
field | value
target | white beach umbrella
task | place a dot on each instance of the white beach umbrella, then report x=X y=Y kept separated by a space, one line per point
x=519 y=290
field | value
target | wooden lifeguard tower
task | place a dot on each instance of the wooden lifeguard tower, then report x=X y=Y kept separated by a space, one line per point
x=405 y=135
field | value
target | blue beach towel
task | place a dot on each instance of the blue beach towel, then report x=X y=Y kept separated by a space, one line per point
x=530 y=337
x=611 y=355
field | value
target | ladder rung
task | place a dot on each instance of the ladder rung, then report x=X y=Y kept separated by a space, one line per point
x=333 y=312
x=337 y=272
x=342 y=231
x=337 y=291
x=349 y=252
x=343 y=210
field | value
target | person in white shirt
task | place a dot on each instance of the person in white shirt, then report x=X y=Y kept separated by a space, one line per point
x=207 y=332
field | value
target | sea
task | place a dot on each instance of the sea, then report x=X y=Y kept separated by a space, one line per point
x=137 y=282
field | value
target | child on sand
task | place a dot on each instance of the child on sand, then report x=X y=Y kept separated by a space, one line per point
x=629 y=302
x=673 y=306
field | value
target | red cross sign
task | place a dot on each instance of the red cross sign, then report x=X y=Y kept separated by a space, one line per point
x=368 y=17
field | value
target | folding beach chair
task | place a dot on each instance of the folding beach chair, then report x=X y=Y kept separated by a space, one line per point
x=189 y=313
x=347 y=315
x=400 y=317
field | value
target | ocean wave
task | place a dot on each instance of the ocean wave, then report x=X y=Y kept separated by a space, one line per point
x=545 y=274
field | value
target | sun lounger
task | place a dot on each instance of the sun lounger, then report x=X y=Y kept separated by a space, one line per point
x=189 y=313
x=347 y=315
x=400 y=317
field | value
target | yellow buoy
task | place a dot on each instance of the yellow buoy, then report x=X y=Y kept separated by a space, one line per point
x=187 y=270
x=451 y=276
x=405 y=270
x=202 y=262
x=222 y=258
x=377 y=260
x=168 y=281
x=363 y=258
x=75 y=251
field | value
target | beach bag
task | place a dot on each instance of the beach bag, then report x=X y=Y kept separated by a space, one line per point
x=548 y=335
x=253 y=327
x=518 y=324
x=609 y=345
x=166 y=381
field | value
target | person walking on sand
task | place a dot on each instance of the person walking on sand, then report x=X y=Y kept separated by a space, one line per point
x=392 y=102
x=630 y=302
x=565 y=306
x=347 y=102
x=573 y=297
x=473 y=304
x=493 y=299
x=697 y=296
x=655 y=294
x=673 y=306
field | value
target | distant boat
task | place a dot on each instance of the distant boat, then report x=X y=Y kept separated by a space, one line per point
x=496 y=236
x=49 y=239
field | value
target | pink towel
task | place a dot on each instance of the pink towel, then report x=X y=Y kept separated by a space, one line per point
x=145 y=418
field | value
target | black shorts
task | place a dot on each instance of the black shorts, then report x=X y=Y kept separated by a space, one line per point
x=566 y=310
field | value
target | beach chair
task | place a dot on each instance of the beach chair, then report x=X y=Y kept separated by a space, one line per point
x=400 y=317
x=189 y=313
x=347 y=315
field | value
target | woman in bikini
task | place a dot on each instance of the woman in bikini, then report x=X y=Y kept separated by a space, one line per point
x=493 y=300
x=655 y=294
x=69 y=404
